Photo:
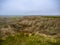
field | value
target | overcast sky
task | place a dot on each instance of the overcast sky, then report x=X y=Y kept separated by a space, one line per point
x=29 y=7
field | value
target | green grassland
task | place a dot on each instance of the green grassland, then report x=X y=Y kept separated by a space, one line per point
x=35 y=39
x=30 y=30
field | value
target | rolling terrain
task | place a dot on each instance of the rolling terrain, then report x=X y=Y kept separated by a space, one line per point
x=22 y=30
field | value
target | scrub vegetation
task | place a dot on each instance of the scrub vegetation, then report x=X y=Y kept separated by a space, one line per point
x=30 y=30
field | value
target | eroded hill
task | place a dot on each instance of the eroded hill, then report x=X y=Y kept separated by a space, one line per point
x=30 y=24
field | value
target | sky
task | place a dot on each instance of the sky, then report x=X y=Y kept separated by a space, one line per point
x=29 y=7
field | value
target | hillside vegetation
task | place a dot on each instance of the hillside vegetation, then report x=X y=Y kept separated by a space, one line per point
x=30 y=30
